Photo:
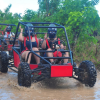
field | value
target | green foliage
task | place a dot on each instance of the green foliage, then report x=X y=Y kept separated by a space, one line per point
x=79 y=17
x=29 y=15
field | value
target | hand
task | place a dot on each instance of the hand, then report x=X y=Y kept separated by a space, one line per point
x=62 y=46
x=45 y=36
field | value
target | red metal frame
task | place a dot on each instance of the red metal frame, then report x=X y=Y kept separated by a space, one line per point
x=56 y=70
x=17 y=62
x=16 y=59
x=33 y=66
x=9 y=47
x=62 y=70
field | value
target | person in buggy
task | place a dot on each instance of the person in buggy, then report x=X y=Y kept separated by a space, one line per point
x=8 y=35
x=7 y=32
x=47 y=45
x=26 y=43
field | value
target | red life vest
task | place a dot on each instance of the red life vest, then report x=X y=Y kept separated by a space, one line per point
x=8 y=33
x=56 y=53
x=2 y=33
x=48 y=42
x=28 y=39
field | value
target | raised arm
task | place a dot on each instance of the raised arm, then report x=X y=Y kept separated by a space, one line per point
x=21 y=37
x=5 y=29
x=43 y=46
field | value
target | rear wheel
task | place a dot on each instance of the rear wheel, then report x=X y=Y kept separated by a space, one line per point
x=3 y=62
x=24 y=74
x=88 y=74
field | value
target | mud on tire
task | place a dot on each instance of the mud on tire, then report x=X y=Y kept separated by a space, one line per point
x=24 y=74
x=89 y=74
x=3 y=62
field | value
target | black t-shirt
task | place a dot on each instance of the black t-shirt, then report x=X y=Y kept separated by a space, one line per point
x=50 y=43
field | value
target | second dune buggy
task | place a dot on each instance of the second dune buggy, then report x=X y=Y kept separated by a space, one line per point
x=6 y=48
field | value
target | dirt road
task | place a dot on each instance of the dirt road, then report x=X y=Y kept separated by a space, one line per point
x=52 y=89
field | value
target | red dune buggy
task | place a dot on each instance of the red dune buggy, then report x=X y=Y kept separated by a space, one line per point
x=85 y=73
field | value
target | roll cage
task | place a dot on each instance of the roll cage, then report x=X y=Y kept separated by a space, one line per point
x=8 y=25
x=34 y=52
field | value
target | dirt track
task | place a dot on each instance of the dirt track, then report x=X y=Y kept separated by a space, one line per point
x=52 y=89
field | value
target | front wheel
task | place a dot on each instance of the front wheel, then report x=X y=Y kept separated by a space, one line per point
x=88 y=74
x=24 y=74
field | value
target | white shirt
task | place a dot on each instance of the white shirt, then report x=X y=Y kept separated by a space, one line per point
x=8 y=35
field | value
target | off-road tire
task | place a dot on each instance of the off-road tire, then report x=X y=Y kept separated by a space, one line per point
x=89 y=74
x=3 y=62
x=24 y=74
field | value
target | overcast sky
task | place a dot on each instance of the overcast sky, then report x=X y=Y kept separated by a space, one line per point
x=98 y=8
x=19 y=6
